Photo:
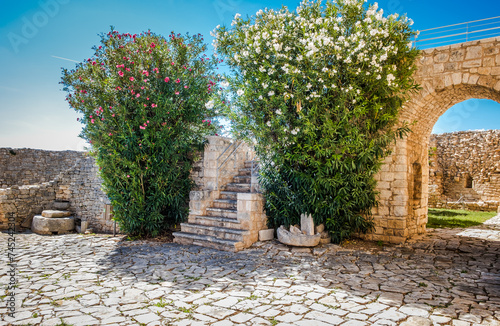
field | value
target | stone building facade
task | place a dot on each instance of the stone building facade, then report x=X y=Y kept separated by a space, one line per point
x=464 y=170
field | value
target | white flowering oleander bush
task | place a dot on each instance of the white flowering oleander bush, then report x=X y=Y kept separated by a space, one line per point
x=319 y=90
x=145 y=102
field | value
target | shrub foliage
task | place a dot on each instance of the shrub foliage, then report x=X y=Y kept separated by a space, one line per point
x=145 y=102
x=319 y=90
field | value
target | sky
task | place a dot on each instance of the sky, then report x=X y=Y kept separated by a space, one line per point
x=38 y=38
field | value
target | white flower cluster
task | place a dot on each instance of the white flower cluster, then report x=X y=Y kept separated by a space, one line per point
x=307 y=54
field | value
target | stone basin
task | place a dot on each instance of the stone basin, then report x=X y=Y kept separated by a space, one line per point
x=297 y=239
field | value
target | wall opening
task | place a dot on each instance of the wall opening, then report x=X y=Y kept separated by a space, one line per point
x=462 y=157
x=417 y=181
x=468 y=182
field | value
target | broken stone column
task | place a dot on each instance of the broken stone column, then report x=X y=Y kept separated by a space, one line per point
x=307 y=224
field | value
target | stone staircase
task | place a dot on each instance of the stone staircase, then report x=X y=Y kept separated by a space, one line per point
x=220 y=228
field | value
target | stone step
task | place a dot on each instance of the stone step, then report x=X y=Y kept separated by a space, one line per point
x=207 y=241
x=242 y=179
x=221 y=212
x=225 y=203
x=229 y=195
x=238 y=187
x=223 y=222
x=248 y=164
x=214 y=231
x=245 y=172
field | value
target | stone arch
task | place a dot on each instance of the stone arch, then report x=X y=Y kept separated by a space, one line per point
x=447 y=75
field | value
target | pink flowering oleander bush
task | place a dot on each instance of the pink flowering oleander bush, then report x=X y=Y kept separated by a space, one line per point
x=146 y=106
x=319 y=90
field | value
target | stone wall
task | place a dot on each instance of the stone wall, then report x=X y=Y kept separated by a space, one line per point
x=79 y=185
x=223 y=157
x=34 y=179
x=464 y=170
x=28 y=166
x=447 y=75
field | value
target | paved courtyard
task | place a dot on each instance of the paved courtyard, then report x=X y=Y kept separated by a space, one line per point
x=447 y=277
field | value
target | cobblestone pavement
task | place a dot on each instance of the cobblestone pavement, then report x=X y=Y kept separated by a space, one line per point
x=447 y=277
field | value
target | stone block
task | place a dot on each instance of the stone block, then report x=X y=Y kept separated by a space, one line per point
x=249 y=196
x=61 y=205
x=474 y=52
x=451 y=66
x=47 y=225
x=442 y=57
x=457 y=78
x=438 y=68
x=457 y=55
x=400 y=211
x=266 y=235
x=472 y=63
x=299 y=240
x=319 y=228
x=325 y=238
x=55 y=214
x=307 y=224
x=495 y=71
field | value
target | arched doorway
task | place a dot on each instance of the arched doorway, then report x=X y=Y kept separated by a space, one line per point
x=448 y=75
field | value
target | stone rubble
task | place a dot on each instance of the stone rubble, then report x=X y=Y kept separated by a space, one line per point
x=445 y=277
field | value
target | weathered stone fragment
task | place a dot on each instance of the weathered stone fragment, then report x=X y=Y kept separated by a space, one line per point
x=48 y=225
x=299 y=240
x=55 y=214
x=307 y=224
x=266 y=235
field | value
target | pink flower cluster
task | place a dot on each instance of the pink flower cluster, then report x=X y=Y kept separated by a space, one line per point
x=144 y=125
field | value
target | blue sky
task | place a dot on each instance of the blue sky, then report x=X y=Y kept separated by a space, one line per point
x=35 y=35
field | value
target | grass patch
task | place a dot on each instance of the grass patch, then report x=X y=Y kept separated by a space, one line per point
x=454 y=218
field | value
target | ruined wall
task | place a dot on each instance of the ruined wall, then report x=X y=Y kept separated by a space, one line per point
x=28 y=166
x=27 y=189
x=465 y=167
x=77 y=184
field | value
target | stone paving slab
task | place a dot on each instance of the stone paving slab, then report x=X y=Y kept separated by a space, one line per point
x=446 y=277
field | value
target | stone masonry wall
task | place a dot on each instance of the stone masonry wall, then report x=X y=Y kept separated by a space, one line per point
x=465 y=168
x=79 y=185
x=74 y=178
x=28 y=166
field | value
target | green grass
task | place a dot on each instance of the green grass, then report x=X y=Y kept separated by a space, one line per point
x=453 y=218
